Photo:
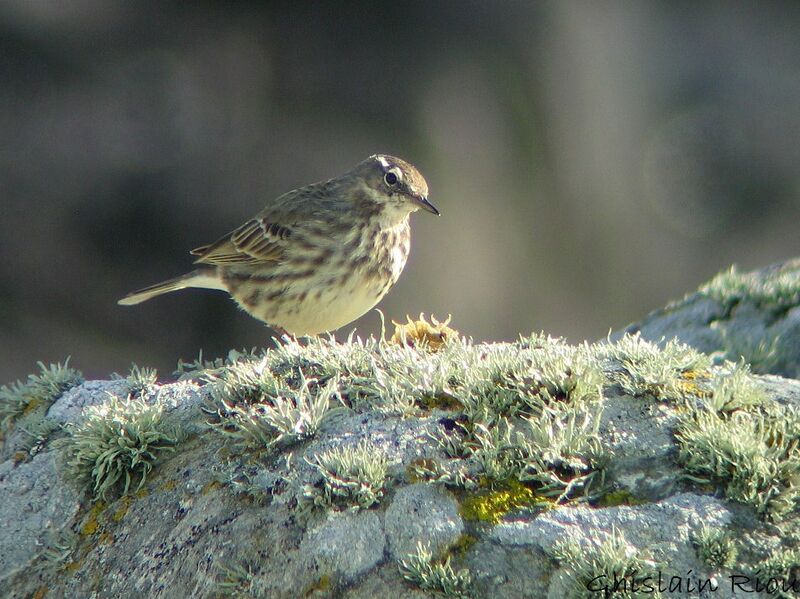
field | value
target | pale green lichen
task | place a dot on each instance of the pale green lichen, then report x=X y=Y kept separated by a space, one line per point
x=612 y=568
x=199 y=369
x=776 y=291
x=141 y=381
x=242 y=581
x=505 y=381
x=641 y=367
x=779 y=569
x=559 y=450
x=116 y=445
x=354 y=476
x=751 y=454
x=37 y=393
x=34 y=437
x=715 y=547
x=734 y=388
x=259 y=410
x=437 y=576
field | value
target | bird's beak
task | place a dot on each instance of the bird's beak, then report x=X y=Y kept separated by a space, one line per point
x=423 y=203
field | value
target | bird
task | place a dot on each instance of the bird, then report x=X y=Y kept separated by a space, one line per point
x=318 y=257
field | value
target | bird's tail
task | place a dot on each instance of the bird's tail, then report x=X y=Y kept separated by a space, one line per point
x=196 y=278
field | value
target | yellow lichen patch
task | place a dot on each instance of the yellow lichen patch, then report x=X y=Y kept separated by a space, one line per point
x=690 y=383
x=492 y=506
x=91 y=525
x=168 y=486
x=73 y=567
x=619 y=497
x=122 y=508
x=320 y=586
x=106 y=538
x=212 y=486
x=421 y=333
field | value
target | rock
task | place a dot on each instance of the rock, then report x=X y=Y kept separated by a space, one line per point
x=224 y=511
x=422 y=513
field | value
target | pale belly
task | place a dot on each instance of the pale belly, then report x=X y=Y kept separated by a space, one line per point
x=332 y=308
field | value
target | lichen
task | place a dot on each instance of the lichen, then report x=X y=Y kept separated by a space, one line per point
x=642 y=368
x=141 y=381
x=715 y=547
x=259 y=410
x=492 y=505
x=752 y=455
x=354 y=476
x=37 y=393
x=775 y=291
x=429 y=574
x=116 y=446
x=587 y=569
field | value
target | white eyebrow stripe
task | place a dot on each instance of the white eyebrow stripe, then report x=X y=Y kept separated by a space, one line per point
x=383 y=161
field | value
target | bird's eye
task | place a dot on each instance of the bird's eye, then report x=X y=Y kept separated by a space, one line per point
x=390 y=178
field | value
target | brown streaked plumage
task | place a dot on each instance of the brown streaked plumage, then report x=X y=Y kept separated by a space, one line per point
x=318 y=257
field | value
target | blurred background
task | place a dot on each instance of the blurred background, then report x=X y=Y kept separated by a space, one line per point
x=592 y=160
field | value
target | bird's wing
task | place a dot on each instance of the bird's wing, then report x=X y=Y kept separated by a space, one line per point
x=264 y=238
x=256 y=241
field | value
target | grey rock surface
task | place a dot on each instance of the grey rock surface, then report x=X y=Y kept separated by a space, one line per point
x=346 y=545
x=422 y=513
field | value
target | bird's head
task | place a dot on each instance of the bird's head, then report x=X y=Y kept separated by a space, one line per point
x=394 y=184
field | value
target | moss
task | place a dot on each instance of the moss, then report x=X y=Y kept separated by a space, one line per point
x=491 y=506
x=619 y=497
x=420 y=469
x=443 y=401
x=73 y=567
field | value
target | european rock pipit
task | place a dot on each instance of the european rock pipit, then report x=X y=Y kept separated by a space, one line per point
x=318 y=257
